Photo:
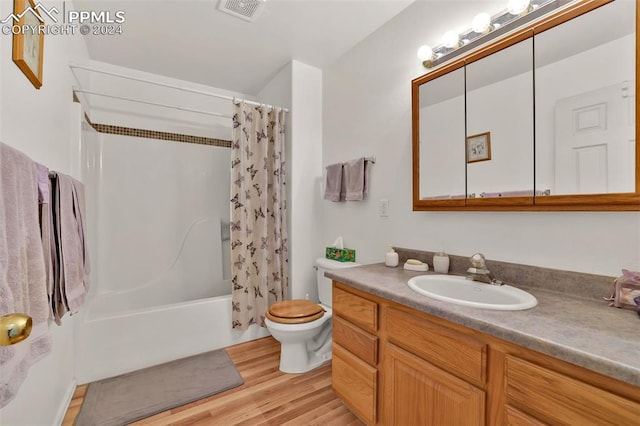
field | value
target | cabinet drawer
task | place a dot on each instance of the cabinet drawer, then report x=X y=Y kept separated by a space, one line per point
x=457 y=353
x=355 y=382
x=355 y=309
x=556 y=398
x=355 y=340
x=515 y=417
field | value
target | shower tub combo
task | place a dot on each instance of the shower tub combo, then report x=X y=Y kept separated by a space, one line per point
x=160 y=255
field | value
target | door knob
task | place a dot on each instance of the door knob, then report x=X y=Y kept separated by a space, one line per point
x=14 y=328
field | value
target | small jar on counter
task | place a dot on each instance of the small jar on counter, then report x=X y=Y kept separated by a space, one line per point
x=391 y=258
x=441 y=263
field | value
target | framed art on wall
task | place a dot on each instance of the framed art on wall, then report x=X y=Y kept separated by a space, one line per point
x=479 y=147
x=28 y=43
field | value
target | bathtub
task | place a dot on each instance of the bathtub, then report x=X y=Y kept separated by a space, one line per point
x=112 y=339
x=178 y=311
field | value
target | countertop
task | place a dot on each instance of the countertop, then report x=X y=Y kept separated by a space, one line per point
x=584 y=332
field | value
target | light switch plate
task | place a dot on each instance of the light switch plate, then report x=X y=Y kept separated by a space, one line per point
x=384 y=207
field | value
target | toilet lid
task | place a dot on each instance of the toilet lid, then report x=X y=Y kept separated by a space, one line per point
x=295 y=311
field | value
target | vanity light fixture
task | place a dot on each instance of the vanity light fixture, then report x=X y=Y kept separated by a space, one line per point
x=426 y=56
x=481 y=23
x=519 y=7
x=451 y=40
x=485 y=27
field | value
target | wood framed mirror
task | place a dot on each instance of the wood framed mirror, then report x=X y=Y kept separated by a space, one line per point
x=555 y=99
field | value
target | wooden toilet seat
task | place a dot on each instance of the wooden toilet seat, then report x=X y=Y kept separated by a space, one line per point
x=297 y=311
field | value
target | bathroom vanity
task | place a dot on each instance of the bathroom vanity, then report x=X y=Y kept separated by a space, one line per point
x=400 y=358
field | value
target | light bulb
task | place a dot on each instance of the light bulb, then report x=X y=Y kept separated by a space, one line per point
x=425 y=53
x=481 y=23
x=451 y=39
x=517 y=7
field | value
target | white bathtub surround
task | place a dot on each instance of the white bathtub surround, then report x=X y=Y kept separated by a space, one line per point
x=160 y=290
x=258 y=213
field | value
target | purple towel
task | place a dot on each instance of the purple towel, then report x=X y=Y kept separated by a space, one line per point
x=354 y=172
x=43 y=184
x=23 y=285
x=68 y=247
x=333 y=186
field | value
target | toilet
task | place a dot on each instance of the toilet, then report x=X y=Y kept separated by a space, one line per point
x=303 y=327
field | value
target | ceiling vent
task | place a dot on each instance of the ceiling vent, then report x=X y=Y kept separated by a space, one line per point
x=247 y=10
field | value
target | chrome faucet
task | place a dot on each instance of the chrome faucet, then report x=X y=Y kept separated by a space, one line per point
x=479 y=271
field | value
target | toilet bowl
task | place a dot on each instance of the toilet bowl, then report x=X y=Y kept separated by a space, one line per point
x=302 y=327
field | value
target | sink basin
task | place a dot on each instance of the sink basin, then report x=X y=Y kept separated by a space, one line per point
x=461 y=291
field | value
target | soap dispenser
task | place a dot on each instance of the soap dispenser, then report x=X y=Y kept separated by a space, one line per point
x=441 y=262
x=391 y=258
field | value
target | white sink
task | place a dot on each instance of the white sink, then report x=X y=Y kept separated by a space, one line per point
x=461 y=291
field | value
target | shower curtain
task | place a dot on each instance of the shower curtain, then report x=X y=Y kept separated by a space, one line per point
x=258 y=213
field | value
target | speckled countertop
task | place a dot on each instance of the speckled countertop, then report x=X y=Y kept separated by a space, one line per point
x=584 y=332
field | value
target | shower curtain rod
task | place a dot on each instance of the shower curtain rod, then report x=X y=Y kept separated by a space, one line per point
x=172 y=86
x=199 y=111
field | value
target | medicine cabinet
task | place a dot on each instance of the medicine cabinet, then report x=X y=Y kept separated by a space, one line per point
x=541 y=119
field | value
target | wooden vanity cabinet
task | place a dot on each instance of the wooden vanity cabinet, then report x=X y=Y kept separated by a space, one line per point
x=394 y=365
x=354 y=373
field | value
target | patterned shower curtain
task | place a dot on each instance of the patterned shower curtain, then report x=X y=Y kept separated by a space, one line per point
x=258 y=213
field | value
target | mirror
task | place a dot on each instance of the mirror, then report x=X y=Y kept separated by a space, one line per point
x=560 y=136
x=500 y=123
x=442 y=175
x=585 y=103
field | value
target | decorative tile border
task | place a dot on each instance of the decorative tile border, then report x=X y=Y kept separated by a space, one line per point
x=154 y=134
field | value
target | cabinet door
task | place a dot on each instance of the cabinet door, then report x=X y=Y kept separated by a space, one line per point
x=355 y=382
x=418 y=393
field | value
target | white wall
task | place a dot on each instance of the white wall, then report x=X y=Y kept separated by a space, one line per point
x=367 y=111
x=45 y=125
x=305 y=178
x=299 y=87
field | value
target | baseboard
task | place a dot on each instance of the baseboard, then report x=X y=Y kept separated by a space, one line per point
x=66 y=401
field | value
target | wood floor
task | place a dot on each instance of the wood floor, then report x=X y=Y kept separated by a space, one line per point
x=267 y=397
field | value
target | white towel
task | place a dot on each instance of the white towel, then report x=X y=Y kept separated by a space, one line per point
x=23 y=286
x=333 y=186
x=354 y=172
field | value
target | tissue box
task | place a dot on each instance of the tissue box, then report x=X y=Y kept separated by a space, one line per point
x=341 y=255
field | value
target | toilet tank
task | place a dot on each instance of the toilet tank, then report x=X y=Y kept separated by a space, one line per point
x=324 y=283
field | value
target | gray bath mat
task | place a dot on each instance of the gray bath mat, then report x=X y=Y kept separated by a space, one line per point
x=134 y=396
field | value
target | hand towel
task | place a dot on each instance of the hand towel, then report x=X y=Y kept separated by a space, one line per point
x=365 y=190
x=44 y=197
x=43 y=183
x=72 y=246
x=333 y=186
x=22 y=268
x=355 y=179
